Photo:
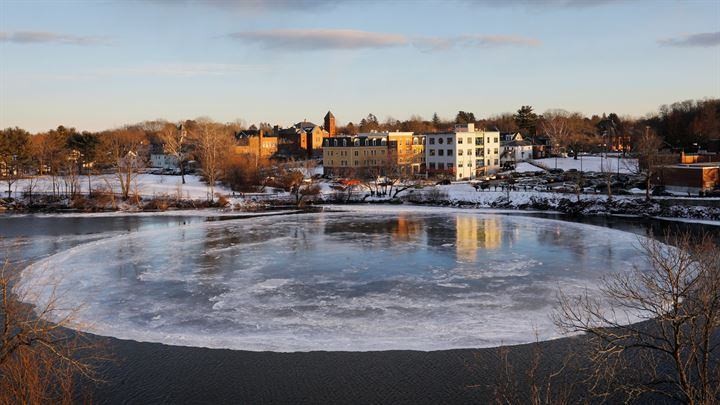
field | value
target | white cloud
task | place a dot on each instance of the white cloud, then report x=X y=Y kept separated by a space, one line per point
x=42 y=37
x=704 y=40
x=322 y=39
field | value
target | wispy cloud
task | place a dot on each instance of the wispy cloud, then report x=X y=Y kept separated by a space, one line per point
x=42 y=37
x=704 y=40
x=324 y=39
x=313 y=39
x=473 y=41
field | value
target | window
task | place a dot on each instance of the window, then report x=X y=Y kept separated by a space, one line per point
x=432 y=166
x=449 y=152
x=479 y=140
x=449 y=140
x=469 y=152
x=432 y=152
x=356 y=153
x=488 y=162
x=478 y=152
x=449 y=166
x=459 y=140
x=441 y=152
x=495 y=139
x=356 y=163
x=344 y=142
x=440 y=141
x=488 y=140
x=460 y=152
x=460 y=164
x=432 y=141
x=496 y=162
x=495 y=151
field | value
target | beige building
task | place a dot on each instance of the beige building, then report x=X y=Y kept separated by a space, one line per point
x=374 y=153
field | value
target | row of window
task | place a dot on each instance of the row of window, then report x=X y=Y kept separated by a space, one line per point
x=440 y=166
x=460 y=152
x=469 y=139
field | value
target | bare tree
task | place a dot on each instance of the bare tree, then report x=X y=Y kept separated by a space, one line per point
x=647 y=145
x=175 y=143
x=607 y=175
x=675 y=354
x=40 y=361
x=294 y=180
x=212 y=143
x=124 y=151
x=556 y=127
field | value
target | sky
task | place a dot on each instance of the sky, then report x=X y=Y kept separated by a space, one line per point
x=102 y=64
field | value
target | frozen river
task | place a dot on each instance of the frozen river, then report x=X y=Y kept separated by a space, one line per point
x=361 y=280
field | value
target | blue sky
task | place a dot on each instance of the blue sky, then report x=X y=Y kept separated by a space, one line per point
x=102 y=64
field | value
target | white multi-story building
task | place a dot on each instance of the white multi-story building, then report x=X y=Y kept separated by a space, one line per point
x=464 y=153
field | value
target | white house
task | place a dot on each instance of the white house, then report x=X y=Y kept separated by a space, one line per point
x=513 y=149
x=462 y=154
x=164 y=161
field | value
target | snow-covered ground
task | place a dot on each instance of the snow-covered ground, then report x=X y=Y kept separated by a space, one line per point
x=147 y=185
x=524 y=167
x=591 y=164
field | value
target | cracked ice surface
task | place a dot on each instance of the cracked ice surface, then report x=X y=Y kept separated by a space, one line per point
x=357 y=281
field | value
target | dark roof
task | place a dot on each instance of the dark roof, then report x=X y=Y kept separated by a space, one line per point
x=329 y=115
x=517 y=143
x=305 y=125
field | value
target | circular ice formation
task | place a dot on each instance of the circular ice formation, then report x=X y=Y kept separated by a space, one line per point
x=334 y=281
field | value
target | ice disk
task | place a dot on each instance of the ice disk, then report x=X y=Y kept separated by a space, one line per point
x=353 y=281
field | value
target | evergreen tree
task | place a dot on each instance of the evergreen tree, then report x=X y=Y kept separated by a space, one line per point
x=526 y=120
x=465 y=117
x=436 y=121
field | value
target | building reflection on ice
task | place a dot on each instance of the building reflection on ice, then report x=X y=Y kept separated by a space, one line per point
x=473 y=233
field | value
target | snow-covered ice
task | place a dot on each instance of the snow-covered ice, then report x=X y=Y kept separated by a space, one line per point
x=356 y=280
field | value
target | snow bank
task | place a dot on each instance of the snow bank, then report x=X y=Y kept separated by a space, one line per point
x=147 y=185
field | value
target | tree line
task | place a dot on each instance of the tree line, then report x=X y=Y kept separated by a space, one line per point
x=688 y=124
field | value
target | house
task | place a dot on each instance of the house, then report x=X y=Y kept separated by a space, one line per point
x=258 y=142
x=514 y=148
x=164 y=161
x=302 y=140
x=463 y=153
x=541 y=147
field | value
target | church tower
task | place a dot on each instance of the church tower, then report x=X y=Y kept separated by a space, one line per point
x=330 y=124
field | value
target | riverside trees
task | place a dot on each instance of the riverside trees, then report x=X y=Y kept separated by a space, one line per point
x=675 y=354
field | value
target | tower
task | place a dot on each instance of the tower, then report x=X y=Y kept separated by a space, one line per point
x=330 y=124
